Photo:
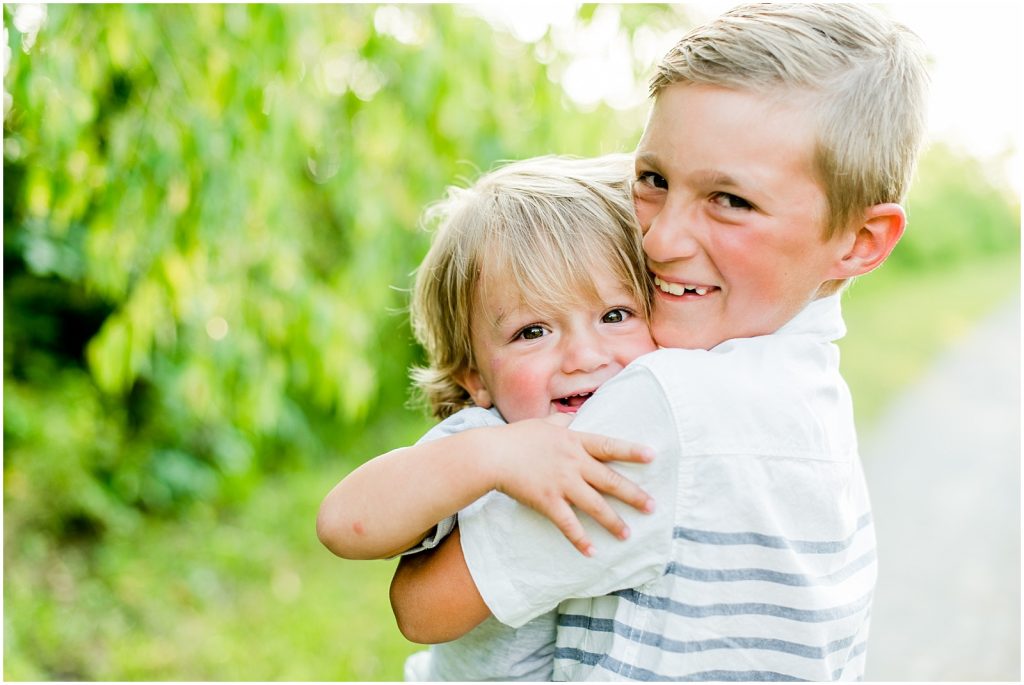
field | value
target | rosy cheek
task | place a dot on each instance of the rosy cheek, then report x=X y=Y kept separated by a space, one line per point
x=736 y=257
x=526 y=384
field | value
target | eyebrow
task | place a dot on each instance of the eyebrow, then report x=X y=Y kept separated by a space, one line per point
x=712 y=177
x=701 y=177
x=497 y=321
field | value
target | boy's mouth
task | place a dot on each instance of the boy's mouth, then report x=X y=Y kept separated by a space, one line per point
x=680 y=289
x=571 y=403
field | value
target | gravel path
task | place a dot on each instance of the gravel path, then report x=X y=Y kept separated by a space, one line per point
x=944 y=471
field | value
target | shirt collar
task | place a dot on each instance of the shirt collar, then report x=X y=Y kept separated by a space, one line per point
x=822 y=318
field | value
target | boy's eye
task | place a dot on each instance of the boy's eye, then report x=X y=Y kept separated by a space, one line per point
x=531 y=332
x=730 y=201
x=617 y=315
x=651 y=180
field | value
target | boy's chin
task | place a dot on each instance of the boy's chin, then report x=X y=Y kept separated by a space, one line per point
x=685 y=336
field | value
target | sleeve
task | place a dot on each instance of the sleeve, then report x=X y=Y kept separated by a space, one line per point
x=473 y=417
x=522 y=564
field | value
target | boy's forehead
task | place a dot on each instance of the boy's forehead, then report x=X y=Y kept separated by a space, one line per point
x=746 y=128
x=677 y=107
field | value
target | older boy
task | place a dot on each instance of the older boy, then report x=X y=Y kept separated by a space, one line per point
x=781 y=141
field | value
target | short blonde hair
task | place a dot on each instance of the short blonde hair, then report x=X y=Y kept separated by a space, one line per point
x=865 y=76
x=548 y=223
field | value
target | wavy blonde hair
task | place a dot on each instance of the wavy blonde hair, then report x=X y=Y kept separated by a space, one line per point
x=548 y=223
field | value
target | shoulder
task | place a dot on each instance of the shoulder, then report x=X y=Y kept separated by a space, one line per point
x=465 y=419
x=646 y=395
x=772 y=394
x=674 y=372
x=739 y=364
x=670 y=361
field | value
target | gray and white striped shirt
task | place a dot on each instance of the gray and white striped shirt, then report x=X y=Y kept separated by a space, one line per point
x=759 y=562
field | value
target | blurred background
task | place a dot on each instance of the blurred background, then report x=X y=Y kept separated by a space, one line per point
x=211 y=215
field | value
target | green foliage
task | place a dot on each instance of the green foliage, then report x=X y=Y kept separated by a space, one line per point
x=956 y=212
x=210 y=220
x=212 y=216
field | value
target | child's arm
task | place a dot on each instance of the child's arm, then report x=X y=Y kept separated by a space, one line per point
x=390 y=503
x=519 y=564
x=432 y=584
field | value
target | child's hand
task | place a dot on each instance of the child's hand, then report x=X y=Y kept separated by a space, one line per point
x=551 y=468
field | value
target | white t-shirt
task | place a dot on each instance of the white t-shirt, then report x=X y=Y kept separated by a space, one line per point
x=492 y=650
x=759 y=562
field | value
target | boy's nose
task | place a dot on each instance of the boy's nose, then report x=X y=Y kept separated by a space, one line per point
x=671 y=236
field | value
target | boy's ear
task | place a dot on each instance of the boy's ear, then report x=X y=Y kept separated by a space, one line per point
x=870 y=244
x=474 y=384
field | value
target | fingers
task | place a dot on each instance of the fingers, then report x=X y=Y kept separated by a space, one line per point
x=572 y=475
x=563 y=516
x=613 y=483
x=588 y=499
x=606 y=448
x=594 y=505
x=559 y=419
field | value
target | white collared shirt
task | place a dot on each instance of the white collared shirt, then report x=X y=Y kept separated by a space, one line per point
x=759 y=560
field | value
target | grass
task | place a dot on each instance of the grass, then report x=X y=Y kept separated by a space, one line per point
x=242 y=595
x=898 y=322
x=251 y=595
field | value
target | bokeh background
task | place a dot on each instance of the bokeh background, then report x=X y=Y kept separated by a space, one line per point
x=211 y=215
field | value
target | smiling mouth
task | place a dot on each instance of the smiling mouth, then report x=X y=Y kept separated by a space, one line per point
x=570 y=403
x=680 y=289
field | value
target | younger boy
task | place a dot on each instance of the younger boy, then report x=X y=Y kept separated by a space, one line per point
x=533 y=294
x=781 y=139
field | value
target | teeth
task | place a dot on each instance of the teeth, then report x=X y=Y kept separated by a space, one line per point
x=679 y=288
x=565 y=401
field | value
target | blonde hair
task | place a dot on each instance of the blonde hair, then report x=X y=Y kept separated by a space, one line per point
x=865 y=74
x=548 y=223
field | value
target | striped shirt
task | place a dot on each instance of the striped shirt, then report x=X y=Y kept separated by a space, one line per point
x=759 y=561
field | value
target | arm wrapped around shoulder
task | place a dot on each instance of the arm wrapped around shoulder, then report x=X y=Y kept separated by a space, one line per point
x=523 y=566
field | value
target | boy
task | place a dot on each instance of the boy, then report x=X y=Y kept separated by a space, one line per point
x=781 y=140
x=533 y=294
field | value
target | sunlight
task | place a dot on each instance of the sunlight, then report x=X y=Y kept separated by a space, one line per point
x=976 y=77
x=976 y=73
